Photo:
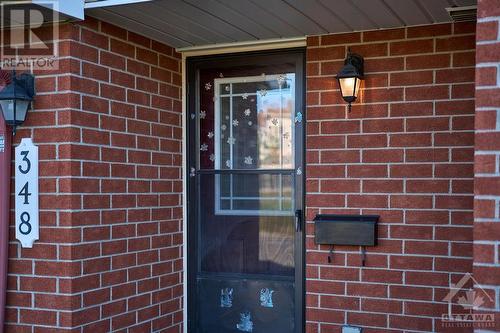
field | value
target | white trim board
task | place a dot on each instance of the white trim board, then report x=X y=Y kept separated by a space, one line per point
x=108 y=3
x=260 y=45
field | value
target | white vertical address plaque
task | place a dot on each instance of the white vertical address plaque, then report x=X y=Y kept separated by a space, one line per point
x=27 y=228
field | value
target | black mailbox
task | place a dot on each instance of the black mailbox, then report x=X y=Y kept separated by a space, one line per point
x=346 y=229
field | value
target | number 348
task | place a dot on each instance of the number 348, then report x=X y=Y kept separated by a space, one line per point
x=25 y=226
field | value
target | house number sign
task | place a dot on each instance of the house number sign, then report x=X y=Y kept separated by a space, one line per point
x=26 y=185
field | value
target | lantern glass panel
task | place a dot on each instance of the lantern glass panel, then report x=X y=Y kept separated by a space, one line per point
x=21 y=109
x=349 y=87
x=7 y=106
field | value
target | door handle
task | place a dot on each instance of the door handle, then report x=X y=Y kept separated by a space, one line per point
x=298 y=220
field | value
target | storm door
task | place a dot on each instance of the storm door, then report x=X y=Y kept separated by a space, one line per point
x=245 y=200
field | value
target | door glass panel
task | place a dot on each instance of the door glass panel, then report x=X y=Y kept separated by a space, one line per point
x=250 y=125
x=238 y=243
x=253 y=194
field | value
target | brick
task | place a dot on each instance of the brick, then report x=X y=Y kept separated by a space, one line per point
x=426 y=247
x=325 y=53
x=411 y=201
x=424 y=124
x=427 y=93
x=339 y=127
x=383 y=155
x=340 y=186
x=464 y=59
x=411 y=323
x=486 y=76
x=367 y=141
x=487 y=31
x=427 y=186
x=367 y=290
x=428 y=61
x=339 y=302
x=389 y=34
x=455 y=43
x=455 y=75
x=384 y=64
x=346 y=38
x=410 y=140
x=382 y=126
x=429 y=30
x=412 y=47
x=381 y=305
x=382 y=186
x=122 y=48
x=369 y=171
x=411 y=78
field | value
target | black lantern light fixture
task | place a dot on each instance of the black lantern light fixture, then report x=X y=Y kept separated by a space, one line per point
x=16 y=97
x=350 y=77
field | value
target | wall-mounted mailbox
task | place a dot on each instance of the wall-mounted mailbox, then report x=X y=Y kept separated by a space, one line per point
x=346 y=229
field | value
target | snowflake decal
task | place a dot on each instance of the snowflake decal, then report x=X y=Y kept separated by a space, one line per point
x=210 y=135
x=208 y=86
x=247 y=112
x=298 y=117
x=221 y=75
x=281 y=80
x=236 y=122
x=227 y=117
x=212 y=157
x=193 y=116
x=286 y=135
x=228 y=163
x=263 y=92
x=203 y=114
x=248 y=160
x=204 y=147
x=227 y=88
x=250 y=123
x=244 y=96
x=274 y=121
x=223 y=127
x=231 y=140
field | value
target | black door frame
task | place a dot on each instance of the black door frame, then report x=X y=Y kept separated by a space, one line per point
x=193 y=64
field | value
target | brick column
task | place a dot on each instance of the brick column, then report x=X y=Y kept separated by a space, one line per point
x=487 y=157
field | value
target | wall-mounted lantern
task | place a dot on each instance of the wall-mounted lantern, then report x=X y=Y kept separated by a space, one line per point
x=350 y=77
x=16 y=97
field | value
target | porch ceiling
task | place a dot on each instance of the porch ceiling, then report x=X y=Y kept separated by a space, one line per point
x=183 y=23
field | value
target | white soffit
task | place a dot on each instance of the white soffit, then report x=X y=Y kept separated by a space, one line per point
x=70 y=9
x=187 y=23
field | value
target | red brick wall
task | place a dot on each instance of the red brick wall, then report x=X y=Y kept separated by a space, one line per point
x=108 y=124
x=405 y=152
x=487 y=162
